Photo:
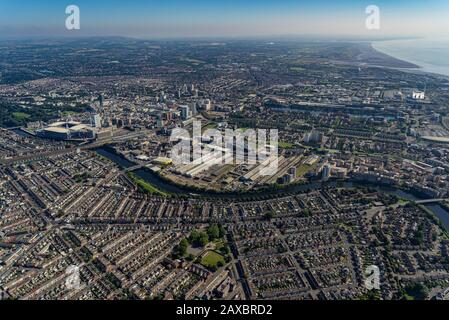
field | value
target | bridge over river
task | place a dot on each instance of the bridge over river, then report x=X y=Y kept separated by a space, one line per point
x=428 y=201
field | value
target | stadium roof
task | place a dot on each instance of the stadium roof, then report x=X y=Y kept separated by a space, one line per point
x=57 y=130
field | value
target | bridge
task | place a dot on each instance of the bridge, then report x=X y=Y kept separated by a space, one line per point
x=428 y=201
x=134 y=168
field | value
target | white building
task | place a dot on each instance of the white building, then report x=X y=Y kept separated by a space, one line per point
x=418 y=95
x=96 y=121
x=208 y=105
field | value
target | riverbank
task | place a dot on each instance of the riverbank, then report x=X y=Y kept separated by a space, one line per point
x=144 y=186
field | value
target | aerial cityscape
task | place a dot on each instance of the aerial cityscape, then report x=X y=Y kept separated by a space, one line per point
x=227 y=168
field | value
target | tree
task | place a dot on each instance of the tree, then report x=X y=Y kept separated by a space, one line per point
x=183 y=246
x=222 y=231
x=270 y=215
x=307 y=212
x=417 y=291
x=199 y=239
x=213 y=232
x=212 y=268
x=225 y=250
x=194 y=236
x=204 y=239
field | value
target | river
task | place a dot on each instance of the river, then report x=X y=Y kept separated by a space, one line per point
x=166 y=186
x=22 y=133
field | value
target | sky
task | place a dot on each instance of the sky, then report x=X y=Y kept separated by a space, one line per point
x=224 y=18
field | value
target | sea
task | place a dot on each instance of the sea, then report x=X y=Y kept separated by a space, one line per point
x=431 y=55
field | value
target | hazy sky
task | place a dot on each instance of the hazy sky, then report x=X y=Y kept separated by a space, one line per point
x=187 y=18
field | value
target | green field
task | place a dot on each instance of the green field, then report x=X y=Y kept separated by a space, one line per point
x=211 y=259
x=69 y=113
x=302 y=170
x=145 y=186
x=285 y=145
x=20 y=116
x=296 y=69
x=210 y=126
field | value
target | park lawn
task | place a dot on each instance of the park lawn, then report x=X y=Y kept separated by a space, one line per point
x=285 y=145
x=145 y=186
x=408 y=297
x=211 y=259
x=296 y=69
x=210 y=126
x=302 y=170
x=69 y=113
x=20 y=116
x=150 y=188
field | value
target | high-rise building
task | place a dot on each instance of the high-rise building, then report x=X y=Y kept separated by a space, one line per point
x=292 y=171
x=326 y=173
x=185 y=112
x=193 y=108
x=207 y=105
x=314 y=136
x=287 y=178
x=101 y=101
x=95 y=121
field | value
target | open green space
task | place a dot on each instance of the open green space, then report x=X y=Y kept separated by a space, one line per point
x=12 y=115
x=212 y=259
x=145 y=186
x=302 y=170
x=297 y=69
x=20 y=116
x=285 y=145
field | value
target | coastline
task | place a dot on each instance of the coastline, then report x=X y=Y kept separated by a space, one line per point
x=388 y=48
